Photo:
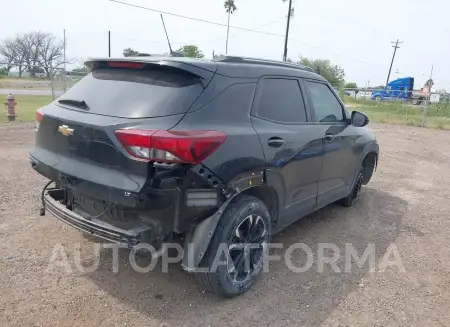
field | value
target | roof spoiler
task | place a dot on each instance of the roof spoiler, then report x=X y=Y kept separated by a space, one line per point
x=205 y=74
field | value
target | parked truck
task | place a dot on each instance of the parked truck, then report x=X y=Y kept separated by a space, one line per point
x=403 y=89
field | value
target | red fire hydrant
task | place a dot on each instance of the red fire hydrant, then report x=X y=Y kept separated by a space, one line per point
x=10 y=105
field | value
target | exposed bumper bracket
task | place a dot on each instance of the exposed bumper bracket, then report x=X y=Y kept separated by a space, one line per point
x=96 y=227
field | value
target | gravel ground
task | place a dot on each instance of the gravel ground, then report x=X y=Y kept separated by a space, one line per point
x=406 y=203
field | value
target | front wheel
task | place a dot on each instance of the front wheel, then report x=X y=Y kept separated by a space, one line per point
x=351 y=199
x=235 y=256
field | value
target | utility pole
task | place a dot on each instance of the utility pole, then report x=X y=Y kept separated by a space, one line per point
x=109 y=43
x=425 y=110
x=287 y=31
x=367 y=86
x=393 y=56
x=64 y=73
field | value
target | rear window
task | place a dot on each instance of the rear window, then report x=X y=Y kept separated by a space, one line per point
x=136 y=93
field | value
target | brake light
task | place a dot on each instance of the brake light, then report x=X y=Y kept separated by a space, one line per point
x=39 y=115
x=170 y=146
x=125 y=64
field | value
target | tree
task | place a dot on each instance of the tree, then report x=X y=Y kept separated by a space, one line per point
x=350 y=85
x=30 y=50
x=128 y=52
x=28 y=46
x=230 y=8
x=9 y=54
x=50 y=53
x=191 y=51
x=334 y=74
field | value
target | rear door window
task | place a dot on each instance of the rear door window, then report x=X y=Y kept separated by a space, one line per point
x=153 y=91
x=281 y=100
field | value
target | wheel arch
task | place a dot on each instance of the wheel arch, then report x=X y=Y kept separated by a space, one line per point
x=198 y=239
x=268 y=196
x=369 y=164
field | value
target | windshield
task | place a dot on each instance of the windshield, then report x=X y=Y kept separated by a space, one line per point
x=136 y=93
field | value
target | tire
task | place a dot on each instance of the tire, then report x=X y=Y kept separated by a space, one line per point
x=351 y=199
x=245 y=221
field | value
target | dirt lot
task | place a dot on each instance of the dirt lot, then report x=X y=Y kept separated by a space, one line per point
x=407 y=203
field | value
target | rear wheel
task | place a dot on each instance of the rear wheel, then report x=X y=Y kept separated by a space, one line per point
x=351 y=199
x=236 y=253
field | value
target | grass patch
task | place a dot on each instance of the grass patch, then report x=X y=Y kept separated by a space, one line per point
x=26 y=107
x=396 y=112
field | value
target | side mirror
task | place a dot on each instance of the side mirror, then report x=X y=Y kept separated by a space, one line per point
x=359 y=119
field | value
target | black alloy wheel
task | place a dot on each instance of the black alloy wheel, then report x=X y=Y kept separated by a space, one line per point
x=246 y=248
x=240 y=244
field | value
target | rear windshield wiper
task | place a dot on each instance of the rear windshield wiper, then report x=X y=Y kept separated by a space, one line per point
x=75 y=103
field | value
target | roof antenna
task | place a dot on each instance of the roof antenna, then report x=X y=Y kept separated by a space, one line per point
x=172 y=53
x=164 y=25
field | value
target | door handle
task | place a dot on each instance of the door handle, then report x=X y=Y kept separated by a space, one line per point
x=275 y=142
x=328 y=137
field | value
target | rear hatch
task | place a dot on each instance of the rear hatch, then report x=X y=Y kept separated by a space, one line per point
x=75 y=140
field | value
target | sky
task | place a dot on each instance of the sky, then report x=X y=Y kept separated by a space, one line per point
x=354 y=34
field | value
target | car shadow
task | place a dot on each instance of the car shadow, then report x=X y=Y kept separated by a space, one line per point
x=281 y=296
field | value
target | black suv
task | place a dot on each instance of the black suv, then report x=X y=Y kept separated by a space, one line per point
x=213 y=152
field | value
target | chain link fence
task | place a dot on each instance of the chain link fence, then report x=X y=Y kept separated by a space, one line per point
x=41 y=80
x=416 y=108
x=61 y=81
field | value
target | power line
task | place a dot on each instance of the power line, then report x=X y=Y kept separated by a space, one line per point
x=338 y=54
x=140 y=40
x=236 y=27
x=208 y=40
x=240 y=33
x=195 y=19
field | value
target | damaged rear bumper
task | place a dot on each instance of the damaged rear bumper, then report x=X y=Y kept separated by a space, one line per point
x=93 y=226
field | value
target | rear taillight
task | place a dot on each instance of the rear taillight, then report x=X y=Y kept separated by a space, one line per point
x=39 y=115
x=170 y=146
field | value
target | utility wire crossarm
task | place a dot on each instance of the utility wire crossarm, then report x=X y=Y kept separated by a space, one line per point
x=393 y=57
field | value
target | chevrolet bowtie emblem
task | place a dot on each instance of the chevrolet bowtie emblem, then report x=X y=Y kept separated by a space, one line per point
x=65 y=130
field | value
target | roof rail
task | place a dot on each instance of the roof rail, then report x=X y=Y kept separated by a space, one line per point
x=257 y=61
